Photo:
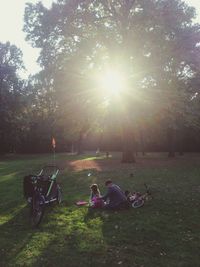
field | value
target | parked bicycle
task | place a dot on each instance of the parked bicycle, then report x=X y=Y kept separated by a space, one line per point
x=40 y=190
x=138 y=199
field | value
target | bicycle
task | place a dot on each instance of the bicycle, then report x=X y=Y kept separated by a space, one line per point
x=137 y=199
x=40 y=190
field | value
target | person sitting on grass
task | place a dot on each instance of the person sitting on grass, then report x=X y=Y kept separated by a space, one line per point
x=115 y=197
x=95 y=197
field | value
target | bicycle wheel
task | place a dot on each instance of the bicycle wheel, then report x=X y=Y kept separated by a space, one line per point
x=37 y=210
x=59 y=194
x=138 y=203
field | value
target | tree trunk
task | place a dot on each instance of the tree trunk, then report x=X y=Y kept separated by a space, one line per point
x=180 y=141
x=72 y=148
x=171 y=139
x=79 y=144
x=99 y=144
x=180 y=146
x=142 y=142
x=82 y=133
x=128 y=155
x=3 y=147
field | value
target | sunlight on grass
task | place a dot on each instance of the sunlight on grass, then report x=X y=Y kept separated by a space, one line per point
x=86 y=233
x=34 y=248
x=8 y=215
x=96 y=157
x=5 y=218
x=75 y=236
x=8 y=177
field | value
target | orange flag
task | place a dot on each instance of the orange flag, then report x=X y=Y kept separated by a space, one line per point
x=53 y=142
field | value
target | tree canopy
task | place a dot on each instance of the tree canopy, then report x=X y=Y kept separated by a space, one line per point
x=11 y=96
x=121 y=66
x=155 y=44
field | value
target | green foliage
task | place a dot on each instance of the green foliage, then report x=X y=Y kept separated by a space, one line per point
x=155 y=43
x=11 y=96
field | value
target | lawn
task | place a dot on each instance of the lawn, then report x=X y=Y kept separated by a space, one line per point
x=165 y=232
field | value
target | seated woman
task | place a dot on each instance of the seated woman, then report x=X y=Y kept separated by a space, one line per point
x=95 y=197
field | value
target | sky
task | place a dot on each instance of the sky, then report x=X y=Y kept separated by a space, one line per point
x=11 y=24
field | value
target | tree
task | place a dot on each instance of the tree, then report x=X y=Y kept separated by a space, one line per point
x=154 y=42
x=11 y=92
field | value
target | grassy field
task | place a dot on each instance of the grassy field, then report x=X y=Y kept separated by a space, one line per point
x=163 y=233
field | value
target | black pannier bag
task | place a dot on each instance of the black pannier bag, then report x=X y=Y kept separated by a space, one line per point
x=43 y=182
x=28 y=186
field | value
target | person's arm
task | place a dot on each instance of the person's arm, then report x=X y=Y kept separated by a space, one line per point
x=91 y=196
x=106 y=196
x=98 y=195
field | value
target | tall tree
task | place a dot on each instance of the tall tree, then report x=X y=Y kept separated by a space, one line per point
x=154 y=42
x=11 y=91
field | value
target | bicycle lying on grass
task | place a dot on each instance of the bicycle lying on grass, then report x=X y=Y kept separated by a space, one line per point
x=40 y=190
x=137 y=199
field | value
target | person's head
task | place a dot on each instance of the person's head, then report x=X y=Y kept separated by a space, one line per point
x=94 y=188
x=108 y=183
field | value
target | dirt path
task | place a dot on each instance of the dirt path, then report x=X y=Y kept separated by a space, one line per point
x=115 y=164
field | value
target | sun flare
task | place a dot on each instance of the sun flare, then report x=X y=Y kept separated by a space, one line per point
x=111 y=82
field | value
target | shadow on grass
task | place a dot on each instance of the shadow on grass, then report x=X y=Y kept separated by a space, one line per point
x=15 y=234
x=165 y=232
x=99 y=238
x=155 y=235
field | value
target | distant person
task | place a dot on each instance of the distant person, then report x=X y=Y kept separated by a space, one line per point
x=114 y=197
x=98 y=152
x=107 y=154
x=95 y=197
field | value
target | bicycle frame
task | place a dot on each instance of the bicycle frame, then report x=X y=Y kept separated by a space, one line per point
x=138 y=199
x=45 y=190
x=52 y=178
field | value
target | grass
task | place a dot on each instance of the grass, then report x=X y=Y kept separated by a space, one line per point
x=165 y=232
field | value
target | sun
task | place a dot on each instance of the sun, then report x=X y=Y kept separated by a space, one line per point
x=111 y=82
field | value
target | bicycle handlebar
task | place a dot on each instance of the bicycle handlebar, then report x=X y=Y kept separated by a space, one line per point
x=55 y=167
